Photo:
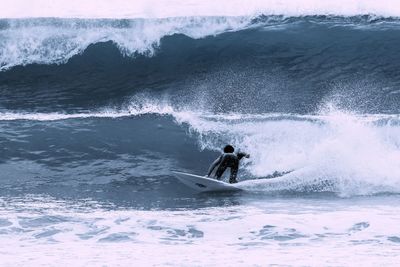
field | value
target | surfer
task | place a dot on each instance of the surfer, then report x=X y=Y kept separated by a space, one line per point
x=227 y=159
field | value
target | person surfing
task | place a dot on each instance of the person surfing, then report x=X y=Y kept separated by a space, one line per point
x=228 y=159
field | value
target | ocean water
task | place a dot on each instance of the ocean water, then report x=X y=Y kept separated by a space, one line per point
x=96 y=112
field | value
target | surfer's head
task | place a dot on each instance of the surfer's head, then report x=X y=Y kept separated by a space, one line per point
x=229 y=149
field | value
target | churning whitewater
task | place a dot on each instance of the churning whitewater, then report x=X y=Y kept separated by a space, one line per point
x=95 y=113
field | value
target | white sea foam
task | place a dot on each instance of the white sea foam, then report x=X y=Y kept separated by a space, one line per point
x=184 y=8
x=339 y=152
x=42 y=231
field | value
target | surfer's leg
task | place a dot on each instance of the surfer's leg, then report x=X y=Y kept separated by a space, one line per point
x=220 y=171
x=234 y=171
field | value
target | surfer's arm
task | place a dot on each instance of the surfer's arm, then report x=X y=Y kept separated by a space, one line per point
x=241 y=155
x=213 y=165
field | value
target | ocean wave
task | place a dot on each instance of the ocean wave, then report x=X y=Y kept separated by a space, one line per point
x=263 y=84
x=55 y=40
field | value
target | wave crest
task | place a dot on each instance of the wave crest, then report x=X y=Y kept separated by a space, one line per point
x=55 y=41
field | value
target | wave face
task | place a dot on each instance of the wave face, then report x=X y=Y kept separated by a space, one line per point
x=96 y=105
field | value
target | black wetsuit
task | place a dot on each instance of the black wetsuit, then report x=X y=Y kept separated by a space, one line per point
x=224 y=161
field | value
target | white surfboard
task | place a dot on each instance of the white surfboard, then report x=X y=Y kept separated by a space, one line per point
x=202 y=183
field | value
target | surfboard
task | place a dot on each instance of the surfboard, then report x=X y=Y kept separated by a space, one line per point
x=202 y=183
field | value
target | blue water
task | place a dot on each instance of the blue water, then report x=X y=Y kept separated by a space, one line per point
x=95 y=113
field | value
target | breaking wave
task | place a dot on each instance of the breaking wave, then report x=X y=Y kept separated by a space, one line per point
x=314 y=95
x=334 y=151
